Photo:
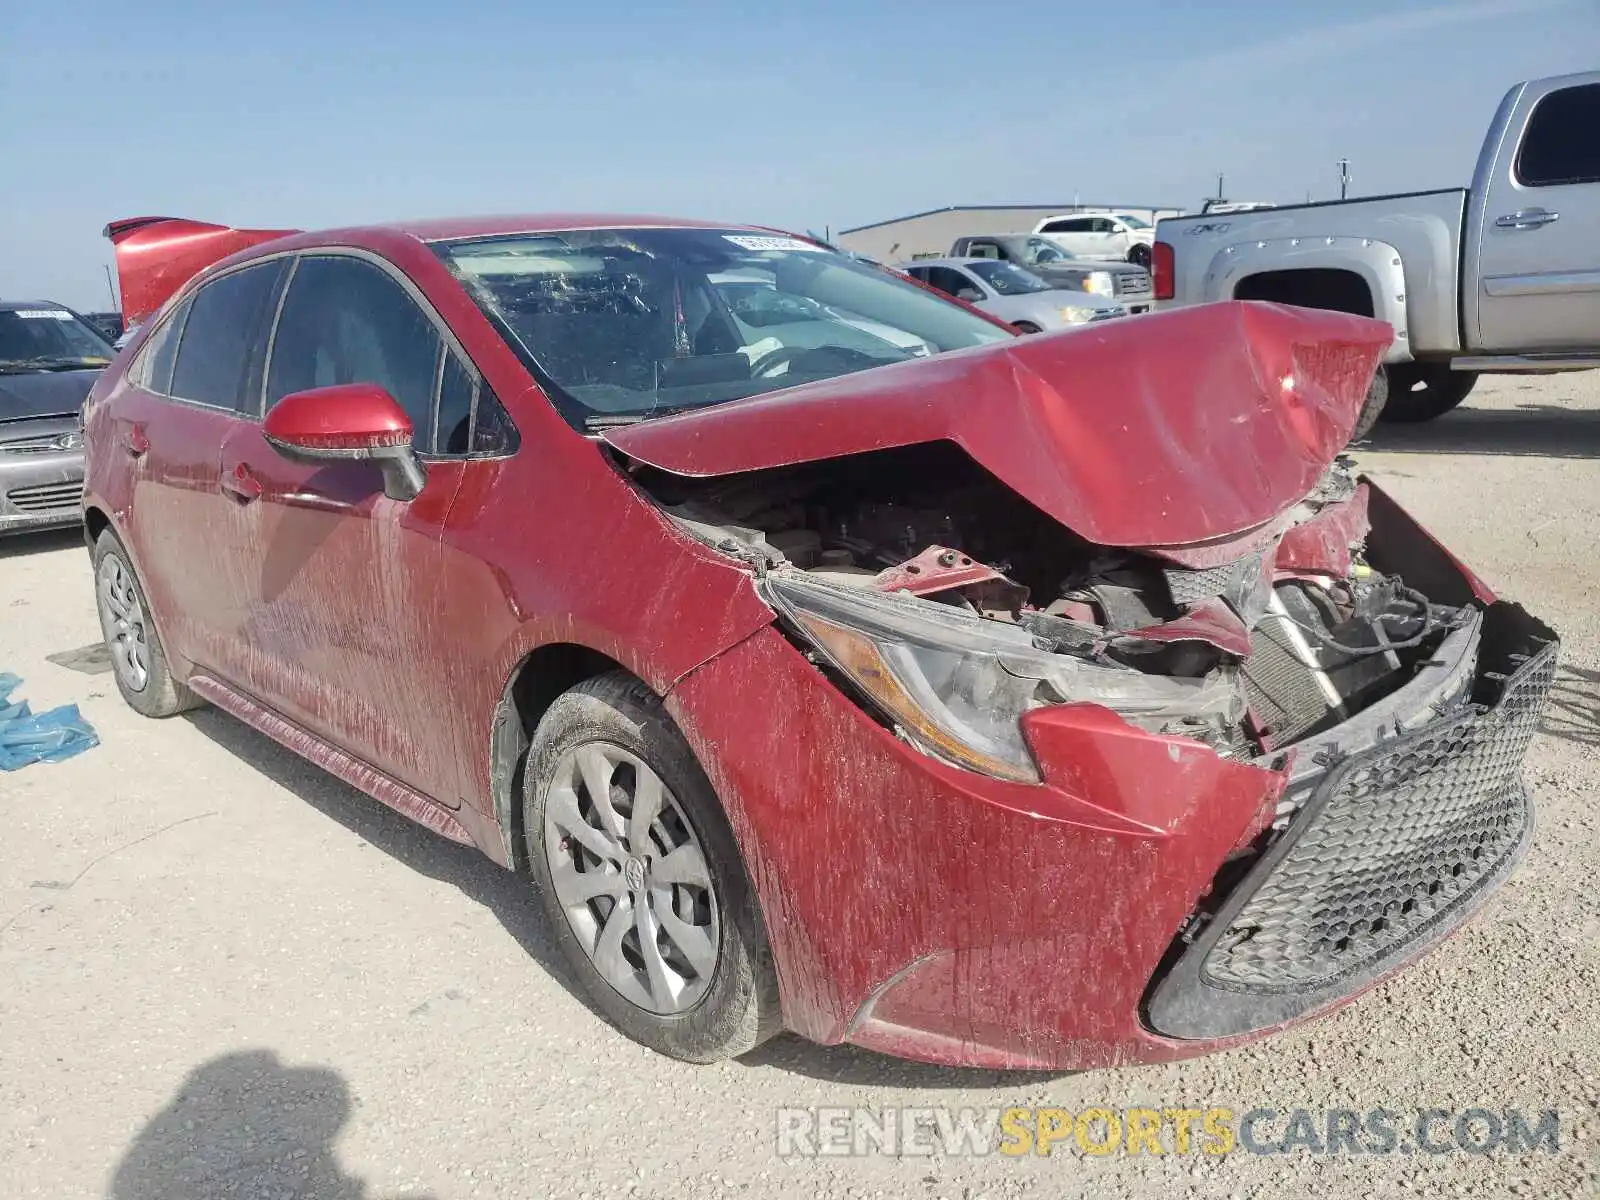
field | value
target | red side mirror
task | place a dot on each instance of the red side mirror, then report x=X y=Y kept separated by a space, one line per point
x=349 y=421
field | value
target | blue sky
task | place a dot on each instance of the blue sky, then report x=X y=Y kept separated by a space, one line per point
x=830 y=113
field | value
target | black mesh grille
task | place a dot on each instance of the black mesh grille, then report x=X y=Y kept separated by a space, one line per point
x=1393 y=841
x=1191 y=587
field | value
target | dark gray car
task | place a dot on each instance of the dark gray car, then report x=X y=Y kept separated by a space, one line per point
x=49 y=358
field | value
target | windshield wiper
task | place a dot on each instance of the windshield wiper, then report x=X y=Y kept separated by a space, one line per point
x=59 y=362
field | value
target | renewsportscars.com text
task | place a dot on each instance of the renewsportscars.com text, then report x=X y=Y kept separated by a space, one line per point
x=1212 y=1130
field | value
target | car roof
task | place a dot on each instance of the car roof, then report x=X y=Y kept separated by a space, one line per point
x=14 y=305
x=944 y=262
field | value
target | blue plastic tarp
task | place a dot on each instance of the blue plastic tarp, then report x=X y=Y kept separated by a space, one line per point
x=28 y=737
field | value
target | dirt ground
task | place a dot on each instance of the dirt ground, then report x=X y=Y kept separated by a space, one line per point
x=223 y=973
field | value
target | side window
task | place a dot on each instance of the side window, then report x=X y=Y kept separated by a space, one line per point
x=226 y=325
x=1056 y=227
x=1101 y=225
x=1561 y=144
x=984 y=250
x=455 y=407
x=948 y=280
x=492 y=431
x=159 y=353
x=347 y=321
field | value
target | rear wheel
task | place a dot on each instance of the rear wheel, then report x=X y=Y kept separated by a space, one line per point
x=640 y=878
x=1422 y=391
x=137 y=658
x=1139 y=254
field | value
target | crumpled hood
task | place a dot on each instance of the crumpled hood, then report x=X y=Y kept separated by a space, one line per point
x=45 y=393
x=1162 y=430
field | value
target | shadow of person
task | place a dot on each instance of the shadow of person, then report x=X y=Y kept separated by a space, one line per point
x=244 y=1124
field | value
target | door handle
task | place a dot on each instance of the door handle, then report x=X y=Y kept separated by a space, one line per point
x=241 y=483
x=1526 y=218
x=135 y=442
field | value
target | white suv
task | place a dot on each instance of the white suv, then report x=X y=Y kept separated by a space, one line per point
x=1101 y=235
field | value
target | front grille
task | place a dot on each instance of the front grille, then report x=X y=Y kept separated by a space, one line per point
x=39 y=443
x=45 y=497
x=1393 y=842
x=1133 y=283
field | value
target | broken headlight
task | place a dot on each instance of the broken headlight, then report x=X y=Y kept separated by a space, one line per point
x=956 y=684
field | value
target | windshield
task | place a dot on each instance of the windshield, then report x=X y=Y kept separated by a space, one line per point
x=49 y=338
x=1008 y=279
x=1132 y=222
x=631 y=322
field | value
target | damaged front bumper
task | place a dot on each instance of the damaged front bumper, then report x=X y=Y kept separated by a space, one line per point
x=1149 y=898
x=1388 y=846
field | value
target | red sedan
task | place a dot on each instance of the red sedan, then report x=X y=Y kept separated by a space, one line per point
x=828 y=657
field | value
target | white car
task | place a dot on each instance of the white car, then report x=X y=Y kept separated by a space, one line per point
x=1101 y=235
x=1020 y=298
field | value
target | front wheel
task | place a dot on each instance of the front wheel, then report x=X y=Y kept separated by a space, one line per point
x=640 y=878
x=1422 y=391
x=1373 y=406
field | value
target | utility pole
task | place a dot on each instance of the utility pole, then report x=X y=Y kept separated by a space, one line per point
x=1344 y=177
x=111 y=288
x=1219 y=185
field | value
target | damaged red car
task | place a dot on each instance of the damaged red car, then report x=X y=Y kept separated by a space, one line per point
x=828 y=657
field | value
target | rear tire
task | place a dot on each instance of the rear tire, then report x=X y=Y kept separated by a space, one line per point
x=1423 y=391
x=138 y=659
x=1373 y=407
x=657 y=919
x=1139 y=255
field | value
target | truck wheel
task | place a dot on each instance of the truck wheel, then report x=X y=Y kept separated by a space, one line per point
x=1139 y=254
x=1422 y=391
x=1373 y=407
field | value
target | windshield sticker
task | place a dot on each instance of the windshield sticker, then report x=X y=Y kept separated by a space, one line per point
x=43 y=314
x=752 y=242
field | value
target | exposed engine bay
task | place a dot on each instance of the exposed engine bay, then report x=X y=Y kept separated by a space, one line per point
x=980 y=607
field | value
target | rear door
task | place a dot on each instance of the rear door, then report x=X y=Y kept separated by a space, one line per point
x=343 y=590
x=183 y=404
x=1539 y=245
x=1072 y=233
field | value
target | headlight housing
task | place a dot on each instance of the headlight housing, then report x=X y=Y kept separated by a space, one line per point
x=1074 y=315
x=956 y=684
x=1100 y=283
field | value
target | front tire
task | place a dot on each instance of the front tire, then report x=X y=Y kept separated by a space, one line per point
x=1373 y=407
x=640 y=878
x=1423 y=391
x=139 y=662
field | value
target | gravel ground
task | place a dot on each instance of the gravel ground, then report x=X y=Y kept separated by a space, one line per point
x=224 y=973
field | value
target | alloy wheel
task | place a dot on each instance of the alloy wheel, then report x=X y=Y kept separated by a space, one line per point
x=122 y=621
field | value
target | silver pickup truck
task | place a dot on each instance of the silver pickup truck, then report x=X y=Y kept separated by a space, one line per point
x=1502 y=276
